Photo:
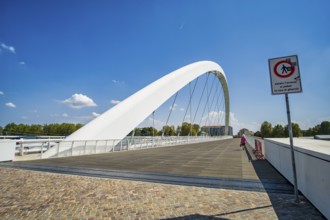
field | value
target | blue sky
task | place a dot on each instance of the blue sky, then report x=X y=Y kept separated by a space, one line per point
x=67 y=61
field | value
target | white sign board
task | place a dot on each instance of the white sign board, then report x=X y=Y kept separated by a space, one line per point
x=285 y=75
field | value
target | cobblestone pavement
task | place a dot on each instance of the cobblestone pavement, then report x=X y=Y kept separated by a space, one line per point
x=38 y=195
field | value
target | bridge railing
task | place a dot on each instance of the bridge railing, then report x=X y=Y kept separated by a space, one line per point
x=64 y=148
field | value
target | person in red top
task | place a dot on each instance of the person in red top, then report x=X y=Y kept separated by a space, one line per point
x=243 y=141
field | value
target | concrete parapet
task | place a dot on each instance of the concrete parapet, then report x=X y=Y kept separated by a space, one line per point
x=7 y=150
x=313 y=167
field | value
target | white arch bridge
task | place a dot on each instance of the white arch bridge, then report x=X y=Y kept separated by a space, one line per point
x=110 y=130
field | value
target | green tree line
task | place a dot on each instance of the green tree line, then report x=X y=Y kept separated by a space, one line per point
x=267 y=130
x=169 y=130
x=63 y=129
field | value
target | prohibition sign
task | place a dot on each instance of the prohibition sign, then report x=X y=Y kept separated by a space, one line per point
x=287 y=69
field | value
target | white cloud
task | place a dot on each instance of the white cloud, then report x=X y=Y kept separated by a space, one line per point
x=10 y=104
x=9 y=48
x=79 y=101
x=2 y=93
x=117 y=81
x=114 y=102
x=64 y=115
x=95 y=114
x=181 y=109
x=174 y=107
x=22 y=63
x=218 y=118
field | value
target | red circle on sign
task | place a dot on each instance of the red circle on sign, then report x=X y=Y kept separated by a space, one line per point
x=282 y=62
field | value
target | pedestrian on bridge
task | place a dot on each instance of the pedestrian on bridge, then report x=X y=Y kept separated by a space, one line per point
x=243 y=141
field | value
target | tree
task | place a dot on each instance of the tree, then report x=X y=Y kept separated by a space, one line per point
x=185 y=129
x=34 y=130
x=51 y=129
x=10 y=129
x=196 y=129
x=148 y=131
x=66 y=129
x=296 y=131
x=266 y=129
x=1 y=129
x=278 y=131
x=168 y=130
x=325 y=127
x=258 y=134
x=188 y=129
x=78 y=126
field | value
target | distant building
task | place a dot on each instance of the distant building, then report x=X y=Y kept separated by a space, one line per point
x=216 y=130
x=245 y=131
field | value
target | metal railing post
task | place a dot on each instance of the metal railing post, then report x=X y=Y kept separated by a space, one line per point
x=85 y=147
x=42 y=149
x=96 y=146
x=22 y=149
x=106 y=146
x=72 y=148
x=58 y=149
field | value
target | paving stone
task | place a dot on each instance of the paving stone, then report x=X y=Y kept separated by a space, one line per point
x=28 y=194
x=39 y=195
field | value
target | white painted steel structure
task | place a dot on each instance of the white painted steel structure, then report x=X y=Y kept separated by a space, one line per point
x=118 y=121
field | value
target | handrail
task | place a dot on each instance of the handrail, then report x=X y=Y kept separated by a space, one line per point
x=63 y=147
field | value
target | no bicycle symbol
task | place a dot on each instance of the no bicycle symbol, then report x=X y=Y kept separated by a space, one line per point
x=284 y=68
x=285 y=75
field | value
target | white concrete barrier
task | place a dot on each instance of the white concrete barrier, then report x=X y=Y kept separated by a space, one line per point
x=312 y=164
x=7 y=150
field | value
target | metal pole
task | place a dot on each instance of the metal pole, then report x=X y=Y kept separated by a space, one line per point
x=22 y=147
x=58 y=149
x=42 y=148
x=72 y=148
x=292 y=150
x=153 y=125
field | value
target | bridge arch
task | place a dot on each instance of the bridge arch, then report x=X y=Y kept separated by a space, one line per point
x=118 y=121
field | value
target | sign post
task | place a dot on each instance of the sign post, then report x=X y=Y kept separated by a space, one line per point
x=285 y=78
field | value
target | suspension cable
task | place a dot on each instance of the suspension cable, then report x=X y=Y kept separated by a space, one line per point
x=169 y=115
x=207 y=100
x=189 y=102
x=200 y=99
x=215 y=107
x=190 y=130
x=153 y=123
x=216 y=90
x=220 y=107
